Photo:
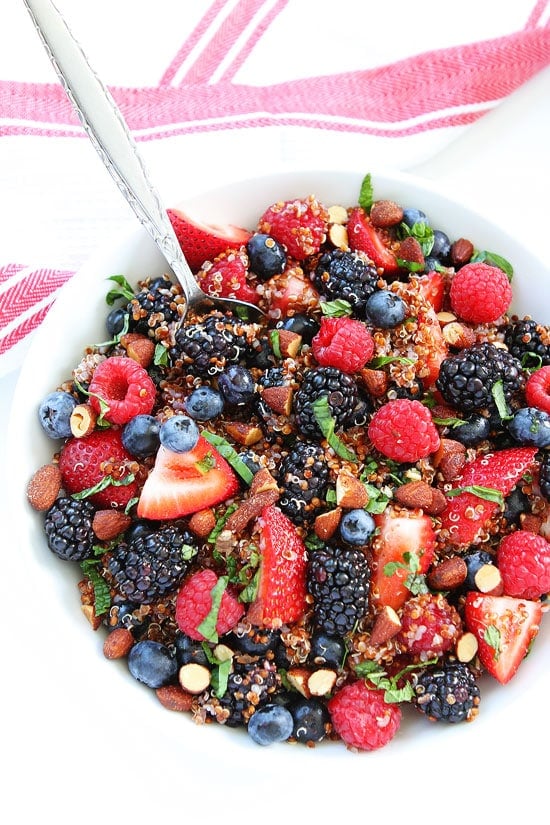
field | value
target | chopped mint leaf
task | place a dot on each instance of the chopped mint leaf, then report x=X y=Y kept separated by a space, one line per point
x=410 y=266
x=378 y=677
x=231 y=456
x=221 y=668
x=486 y=493
x=118 y=336
x=492 y=637
x=160 y=357
x=366 y=193
x=449 y=422
x=494 y=260
x=382 y=360
x=415 y=581
x=326 y=423
x=188 y=551
x=313 y=542
x=531 y=362
x=122 y=290
x=208 y=625
x=220 y=524
x=130 y=504
x=336 y=309
x=274 y=340
x=206 y=464
x=249 y=593
x=497 y=391
x=102 y=593
x=106 y=481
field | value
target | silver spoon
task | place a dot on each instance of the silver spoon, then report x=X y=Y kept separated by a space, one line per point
x=109 y=133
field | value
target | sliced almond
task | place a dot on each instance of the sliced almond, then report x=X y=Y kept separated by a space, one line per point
x=83 y=420
x=278 y=399
x=289 y=343
x=386 y=625
x=321 y=682
x=350 y=491
x=488 y=580
x=337 y=214
x=326 y=524
x=243 y=433
x=298 y=679
x=338 y=236
x=262 y=482
x=466 y=647
x=194 y=678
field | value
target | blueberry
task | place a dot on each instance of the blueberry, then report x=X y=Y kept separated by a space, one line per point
x=302 y=325
x=55 y=414
x=441 y=248
x=188 y=650
x=475 y=429
x=152 y=663
x=179 y=433
x=140 y=436
x=310 y=718
x=327 y=650
x=531 y=426
x=356 y=527
x=140 y=528
x=514 y=505
x=251 y=460
x=237 y=385
x=385 y=309
x=270 y=724
x=203 y=404
x=266 y=256
x=116 y=320
x=256 y=642
x=412 y=216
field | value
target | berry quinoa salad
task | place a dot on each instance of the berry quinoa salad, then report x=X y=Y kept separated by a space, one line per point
x=309 y=526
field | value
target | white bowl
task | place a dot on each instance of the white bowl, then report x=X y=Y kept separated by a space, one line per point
x=80 y=690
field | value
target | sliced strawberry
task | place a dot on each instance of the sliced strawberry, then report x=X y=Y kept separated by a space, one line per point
x=432 y=286
x=400 y=532
x=504 y=628
x=281 y=595
x=201 y=241
x=289 y=293
x=99 y=461
x=466 y=513
x=363 y=237
x=184 y=483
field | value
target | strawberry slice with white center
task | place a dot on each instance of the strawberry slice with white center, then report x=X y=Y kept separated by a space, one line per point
x=281 y=595
x=183 y=483
x=492 y=476
x=202 y=242
x=504 y=628
x=363 y=237
x=402 y=549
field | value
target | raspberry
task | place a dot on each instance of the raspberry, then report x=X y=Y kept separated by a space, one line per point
x=537 y=389
x=524 y=562
x=480 y=293
x=300 y=225
x=194 y=604
x=99 y=458
x=343 y=343
x=429 y=626
x=226 y=276
x=403 y=430
x=362 y=718
x=120 y=389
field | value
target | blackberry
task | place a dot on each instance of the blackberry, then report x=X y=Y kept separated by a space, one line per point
x=544 y=476
x=528 y=337
x=68 y=527
x=447 y=693
x=206 y=347
x=466 y=380
x=157 y=306
x=346 y=276
x=339 y=389
x=150 y=566
x=338 y=578
x=250 y=685
x=303 y=477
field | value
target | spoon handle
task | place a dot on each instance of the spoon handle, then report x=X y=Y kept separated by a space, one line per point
x=108 y=132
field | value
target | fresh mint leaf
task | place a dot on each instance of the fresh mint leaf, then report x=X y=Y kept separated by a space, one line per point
x=382 y=360
x=160 y=357
x=492 y=638
x=422 y=232
x=410 y=266
x=122 y=290
x=486 y=493
x=274 y=340
x=366 y=193
x=497 y=391
x=449 y=422
x=102 y=593
x=106 y=481
x=494 y=260
x=326 y=423
x=208 y=625
x=231 y=456
x=336 y=309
